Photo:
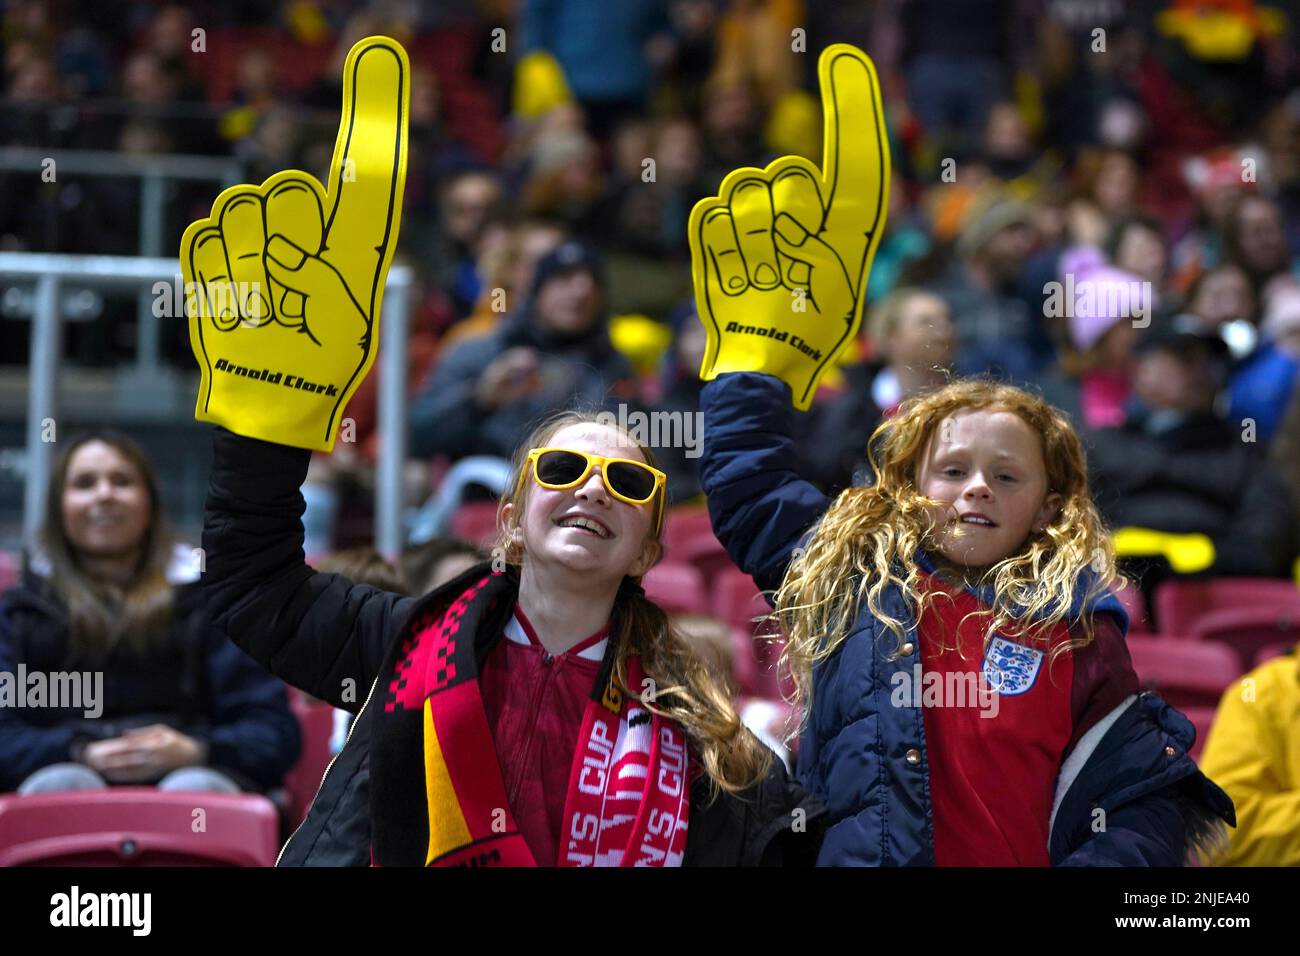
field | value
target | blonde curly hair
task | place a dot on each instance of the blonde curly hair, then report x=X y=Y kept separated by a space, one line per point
x=868 y=540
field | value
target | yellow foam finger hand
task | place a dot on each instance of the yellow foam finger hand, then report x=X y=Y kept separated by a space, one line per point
x=288 y=277
x=780 y=256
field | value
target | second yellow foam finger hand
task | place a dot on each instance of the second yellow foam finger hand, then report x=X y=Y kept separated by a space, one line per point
x=792 y=316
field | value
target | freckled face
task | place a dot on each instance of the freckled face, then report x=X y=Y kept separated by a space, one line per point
x=550 y=530
x=987 y=466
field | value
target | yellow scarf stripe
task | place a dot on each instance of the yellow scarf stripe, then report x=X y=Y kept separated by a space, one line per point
x=447 y=828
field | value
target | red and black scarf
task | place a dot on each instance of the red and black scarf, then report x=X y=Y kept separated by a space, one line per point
x=437 y=793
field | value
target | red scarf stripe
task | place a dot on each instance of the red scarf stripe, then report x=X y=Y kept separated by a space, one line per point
x=459 y=717
x=631 y=806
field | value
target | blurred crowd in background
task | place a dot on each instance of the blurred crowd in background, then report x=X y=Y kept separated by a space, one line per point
x=559 y=145
x=1097 y=199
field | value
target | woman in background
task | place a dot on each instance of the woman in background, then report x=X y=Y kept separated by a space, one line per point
x=110 y=595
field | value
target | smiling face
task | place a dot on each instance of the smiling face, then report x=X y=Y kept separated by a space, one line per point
x=585 y=528
x=987 y=466
x=569 y=302
x=106 y=505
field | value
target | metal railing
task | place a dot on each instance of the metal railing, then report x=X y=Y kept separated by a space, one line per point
x=153 y=172
x=49 y=270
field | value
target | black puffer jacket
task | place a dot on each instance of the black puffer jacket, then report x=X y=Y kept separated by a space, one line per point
x=329 y=637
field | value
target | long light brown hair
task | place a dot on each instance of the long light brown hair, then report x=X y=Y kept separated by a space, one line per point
x=868 y=540
x=688 y=692
x=100 y=613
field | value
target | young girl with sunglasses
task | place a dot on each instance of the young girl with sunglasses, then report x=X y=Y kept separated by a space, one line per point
x=976 y=567
x=536 y=710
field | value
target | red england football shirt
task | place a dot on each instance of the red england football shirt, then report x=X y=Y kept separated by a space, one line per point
x=994 y=757
x=535 y=703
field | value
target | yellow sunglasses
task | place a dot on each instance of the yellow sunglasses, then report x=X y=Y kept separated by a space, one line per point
x=632 y=482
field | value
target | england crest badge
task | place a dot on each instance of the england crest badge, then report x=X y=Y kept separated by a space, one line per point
x=1010 y=668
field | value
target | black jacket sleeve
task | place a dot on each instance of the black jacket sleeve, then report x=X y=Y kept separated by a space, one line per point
x=318 y=632
x=775 y=822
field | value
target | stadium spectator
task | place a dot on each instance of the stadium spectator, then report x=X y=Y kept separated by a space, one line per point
x=954 y=58
x=1136 y=245
x=468 y=202
x=602 y=48
x=180 y=707
x=1254 y=239
x=1262 y=387
x=997 y=331
x=912 y=333
x=1177 y=466
x=506 y=263
x=1106 y=186
x=1251 y=754
x=1221 y=295
x=732 y=123
x=1285 y=454
x=648 y=214
x=1103 y=304
x=432 y=564
x=679 y=387
x=485 y=392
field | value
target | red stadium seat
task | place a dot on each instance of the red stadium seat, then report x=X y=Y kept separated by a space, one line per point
x=684 y=525
x=677 y=588
x=707 y=555
x=1139 y=620
x=1179 y=603
x=138 y=826
x=476 y=522
x=760 y=654
x=316 y=719
x=1184 y=673
x=1249 y=630
x=1266 y=654
x=736 y=599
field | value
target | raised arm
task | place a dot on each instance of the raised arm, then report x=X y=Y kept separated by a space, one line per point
x=759 y=506
x=780 y=258
x=319 y=632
